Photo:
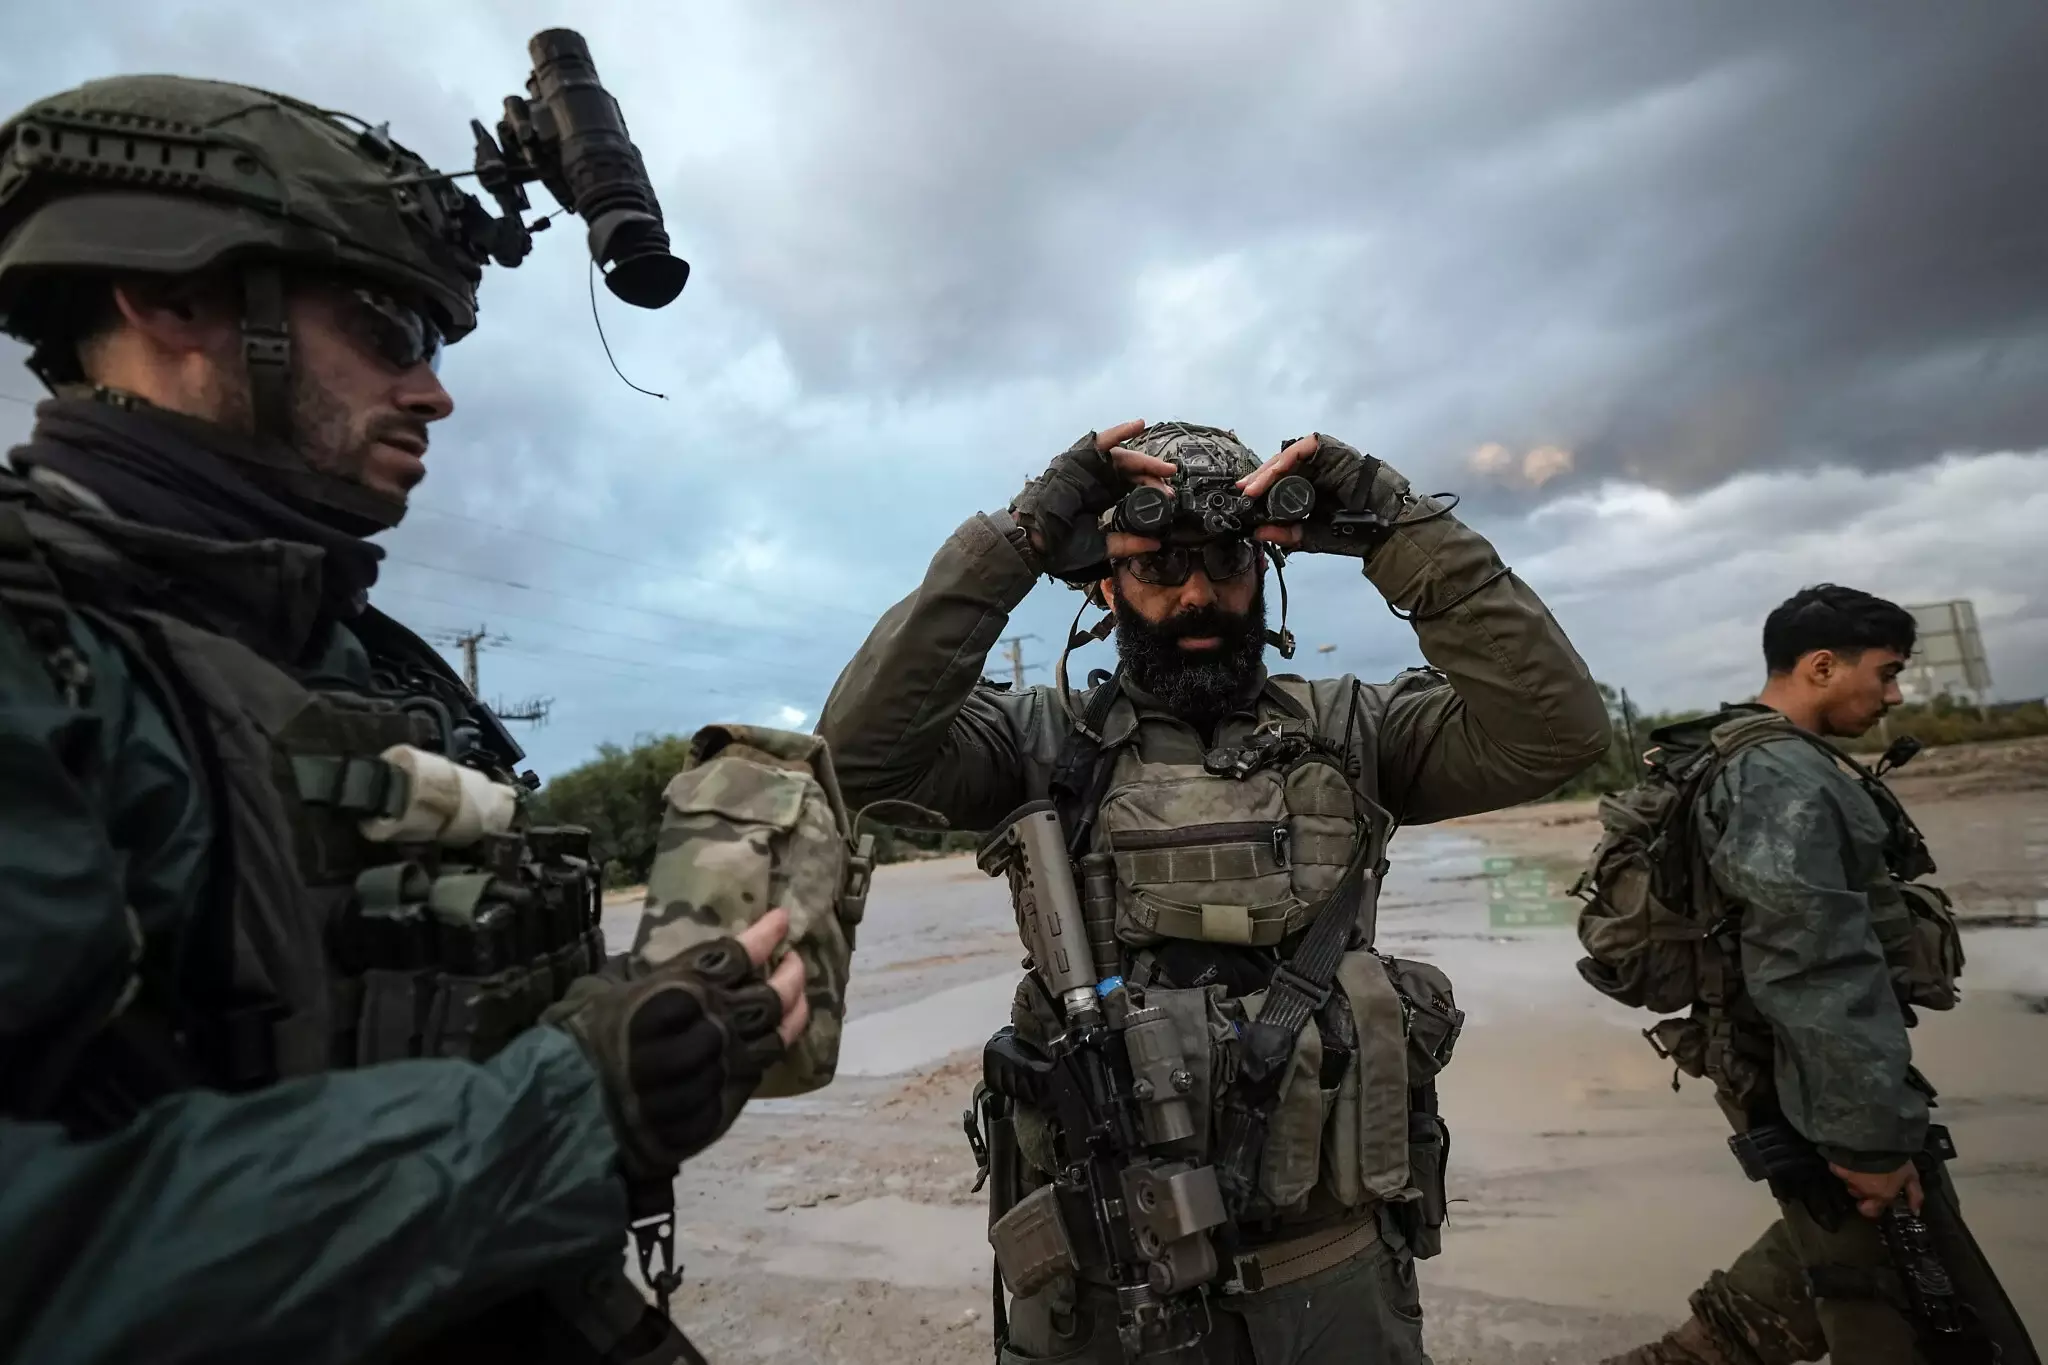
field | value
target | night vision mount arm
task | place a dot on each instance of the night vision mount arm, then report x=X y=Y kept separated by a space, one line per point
x=567 y=132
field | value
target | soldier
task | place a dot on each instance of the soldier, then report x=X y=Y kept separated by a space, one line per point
x=1820 y=942
x=276 y=937
x=1220 y=806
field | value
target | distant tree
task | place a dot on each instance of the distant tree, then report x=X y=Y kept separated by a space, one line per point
x=617 y=797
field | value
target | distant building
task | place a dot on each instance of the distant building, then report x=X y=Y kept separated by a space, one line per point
x=1949 y=656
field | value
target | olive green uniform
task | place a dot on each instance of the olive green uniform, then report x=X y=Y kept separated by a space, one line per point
x=1508 y=714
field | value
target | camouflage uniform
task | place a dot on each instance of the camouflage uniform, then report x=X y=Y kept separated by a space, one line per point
x=1511 y=714
x=1794 y=841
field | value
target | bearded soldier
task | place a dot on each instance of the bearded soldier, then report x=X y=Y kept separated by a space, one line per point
x=276 y=933
x=1211 y=811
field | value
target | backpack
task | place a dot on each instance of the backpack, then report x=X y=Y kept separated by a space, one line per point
x=1653 y=916
x=756 y=821
x=1654 y=922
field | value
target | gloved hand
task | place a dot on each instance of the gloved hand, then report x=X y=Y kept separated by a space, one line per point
x=1060 y=508
x=1358 y=497
x=680 y=1049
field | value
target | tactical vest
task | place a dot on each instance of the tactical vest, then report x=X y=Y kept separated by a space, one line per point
x=1236 y=844
x=375 y=893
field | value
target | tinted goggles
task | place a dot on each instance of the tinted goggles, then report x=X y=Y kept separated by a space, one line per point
x=397 y=334
x=1169 y=566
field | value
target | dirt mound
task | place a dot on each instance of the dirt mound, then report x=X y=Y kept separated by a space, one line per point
x=2012 y=765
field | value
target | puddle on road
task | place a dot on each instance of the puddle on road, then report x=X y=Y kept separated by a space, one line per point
x=887 y=1238
x=927 y=1030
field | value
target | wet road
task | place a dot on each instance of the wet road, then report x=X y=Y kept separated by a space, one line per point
x=1590 y=1198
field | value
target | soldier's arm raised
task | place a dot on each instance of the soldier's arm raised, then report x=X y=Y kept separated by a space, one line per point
x=1521 y=714
x=906 y=719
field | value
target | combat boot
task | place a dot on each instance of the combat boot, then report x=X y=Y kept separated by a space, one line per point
x=1689 y=1344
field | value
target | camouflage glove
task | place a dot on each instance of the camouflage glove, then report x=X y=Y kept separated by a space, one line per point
x=678 y=1050
x=1060 y=509
x=1358 y=498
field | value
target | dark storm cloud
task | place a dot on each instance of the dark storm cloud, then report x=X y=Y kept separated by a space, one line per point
x=1677 y=240
x=932 y=242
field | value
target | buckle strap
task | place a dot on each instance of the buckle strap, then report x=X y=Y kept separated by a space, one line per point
x=1281 y=1263
x=37 y=598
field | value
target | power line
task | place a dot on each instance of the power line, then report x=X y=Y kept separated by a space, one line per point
x=582 y=629
x=25 y=402
x=596 y=601
x=671 y=569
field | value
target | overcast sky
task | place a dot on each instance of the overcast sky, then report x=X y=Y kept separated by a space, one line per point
x=1694 y=303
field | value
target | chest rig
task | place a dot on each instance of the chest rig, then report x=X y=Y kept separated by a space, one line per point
x=1228 y=885
x=374 y=890
x=1235 y=840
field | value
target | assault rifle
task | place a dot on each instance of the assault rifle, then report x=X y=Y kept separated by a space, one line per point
x=1128 y=1206
x=1949 y=1329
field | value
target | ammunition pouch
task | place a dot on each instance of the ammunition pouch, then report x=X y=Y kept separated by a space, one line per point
x=1423 y=1215
x=460 y=963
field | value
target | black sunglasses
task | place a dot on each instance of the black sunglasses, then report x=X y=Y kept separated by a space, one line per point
x=1169 y=567
x=398 y=335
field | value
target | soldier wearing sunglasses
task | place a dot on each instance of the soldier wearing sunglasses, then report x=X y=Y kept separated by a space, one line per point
x=1211 y=809
x=307 y=1047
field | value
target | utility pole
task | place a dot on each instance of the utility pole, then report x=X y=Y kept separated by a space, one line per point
x=473 y=642
x=469 y=642
x=1015 y=654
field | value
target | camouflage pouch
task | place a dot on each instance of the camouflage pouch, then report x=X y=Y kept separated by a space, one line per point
x=757 y=821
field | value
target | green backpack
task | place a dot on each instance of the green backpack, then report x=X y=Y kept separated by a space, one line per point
x=1655 y=924
x=1653 y=916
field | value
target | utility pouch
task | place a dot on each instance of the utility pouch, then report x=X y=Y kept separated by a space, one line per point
x=757 y=821
x=1929 y=975
x=1429 y=1154
x=1031 y=1243
x=393 y=1016
x=1365 y=1143
x=1683 y=1043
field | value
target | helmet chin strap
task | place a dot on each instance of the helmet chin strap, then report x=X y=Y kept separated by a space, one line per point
x=1283 y=638
x=267 y=357
x=267 y=351
x=1077 y=637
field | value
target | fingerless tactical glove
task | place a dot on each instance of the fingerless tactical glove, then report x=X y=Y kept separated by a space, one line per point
x=1358 y=498
x=678 y=1050
x=1061 y=506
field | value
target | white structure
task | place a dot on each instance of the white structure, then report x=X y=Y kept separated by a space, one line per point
x=1949 y=656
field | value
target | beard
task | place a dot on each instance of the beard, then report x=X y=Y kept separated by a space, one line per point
x=1203 y=684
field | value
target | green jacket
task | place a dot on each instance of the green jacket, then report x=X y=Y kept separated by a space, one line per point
x=909 y=718
x=1798 y=844
x=307 y=1221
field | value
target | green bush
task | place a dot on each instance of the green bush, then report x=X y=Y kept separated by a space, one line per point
x=1948 y=721
x=617 y=797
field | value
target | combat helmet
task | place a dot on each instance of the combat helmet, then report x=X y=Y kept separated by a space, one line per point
x=1202 y=456
x=167 y=175
x=1196 y=450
